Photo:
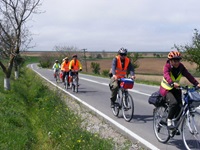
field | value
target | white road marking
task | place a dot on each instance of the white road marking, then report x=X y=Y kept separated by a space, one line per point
x=132 y=134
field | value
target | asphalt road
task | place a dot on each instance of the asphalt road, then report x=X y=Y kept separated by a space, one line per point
x=94 y=93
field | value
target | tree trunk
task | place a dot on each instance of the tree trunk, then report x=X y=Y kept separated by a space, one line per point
x=16 y=75
x=7 y=83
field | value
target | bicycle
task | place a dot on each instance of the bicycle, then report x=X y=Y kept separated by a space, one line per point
x=75 y=84
x=66 y=84
x=188 y=120
x=57 y=75
x=124 y=100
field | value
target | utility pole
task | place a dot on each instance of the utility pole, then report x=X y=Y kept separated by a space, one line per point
x=84 y=50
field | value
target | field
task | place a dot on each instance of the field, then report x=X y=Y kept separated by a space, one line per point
x=150 y=69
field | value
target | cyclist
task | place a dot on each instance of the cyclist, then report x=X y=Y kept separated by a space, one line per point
x=74 y=66
x=172 y=73
x=56 y=67
x=65 y=69
x=120 y=65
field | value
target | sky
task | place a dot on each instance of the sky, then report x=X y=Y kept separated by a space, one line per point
x=108 y=25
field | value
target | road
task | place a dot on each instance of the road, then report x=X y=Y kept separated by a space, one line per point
x=94 y=93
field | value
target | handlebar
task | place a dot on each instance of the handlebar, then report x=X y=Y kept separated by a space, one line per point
x=187 y=88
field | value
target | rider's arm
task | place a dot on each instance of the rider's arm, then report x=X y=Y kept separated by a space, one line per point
x=70 y=65
x=53 y=66
x=166 y=73
x=80 y=65
x=131 y=69
x=189 y=76
x=62 y=66
x=114 y=64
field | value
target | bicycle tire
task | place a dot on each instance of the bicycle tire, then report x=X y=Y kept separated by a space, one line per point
x=116 y=108
x=191 y=131
x=128 y=107
x=57 y=77
x=76 y=87
x=160 y=124
x=66 y=82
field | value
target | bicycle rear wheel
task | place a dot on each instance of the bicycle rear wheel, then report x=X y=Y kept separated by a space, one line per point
x=160 y=124
x=127 y=107
x=76 y=87
x=57 y=77
x=116 y=108
x=190 y=131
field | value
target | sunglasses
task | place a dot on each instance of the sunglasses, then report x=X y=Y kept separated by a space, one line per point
x=122 y=54
x=176 y=60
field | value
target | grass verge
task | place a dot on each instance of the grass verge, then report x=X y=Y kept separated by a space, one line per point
x=33 y=117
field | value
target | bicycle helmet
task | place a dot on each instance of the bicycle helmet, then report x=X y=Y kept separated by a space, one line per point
x=56 y=61
x=74 y=56
x=122 y=51
x=174 y=55
x=66 y=58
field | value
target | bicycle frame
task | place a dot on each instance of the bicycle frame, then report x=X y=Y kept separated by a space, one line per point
x=124 y=103
x=75 y=81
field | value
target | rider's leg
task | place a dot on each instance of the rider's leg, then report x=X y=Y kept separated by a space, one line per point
x=67 y=74
x=114 y=89
x=54 y=73
x=173 y=97
x=63 y=77
x=70 y=78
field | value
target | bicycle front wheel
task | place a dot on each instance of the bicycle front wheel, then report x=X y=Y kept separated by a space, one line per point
x=116 y=108
x=160 y=124
x=127 y=107
x=190 y=131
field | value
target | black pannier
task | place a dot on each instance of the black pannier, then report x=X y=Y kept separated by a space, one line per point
x=156 y=99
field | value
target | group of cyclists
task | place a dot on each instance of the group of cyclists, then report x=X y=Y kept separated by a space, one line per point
x=169 y=89
x=121 y=64
x=67 y=68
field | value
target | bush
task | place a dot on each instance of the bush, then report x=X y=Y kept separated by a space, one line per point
x=95 y=67
x=105 y=73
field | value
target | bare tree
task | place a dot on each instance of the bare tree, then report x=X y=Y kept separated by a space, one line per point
x=14 y=35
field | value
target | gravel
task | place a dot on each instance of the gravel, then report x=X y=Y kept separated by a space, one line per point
x=96 y=124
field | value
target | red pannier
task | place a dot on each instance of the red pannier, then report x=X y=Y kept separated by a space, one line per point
x=126 y=83
x=61 y=74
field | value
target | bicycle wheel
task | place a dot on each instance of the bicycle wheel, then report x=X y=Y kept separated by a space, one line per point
x=160 y=124
x=76 y=87
x=57 y=76
x=66 y=82
x=127 y=107
x=190 y=131
x=116 y=108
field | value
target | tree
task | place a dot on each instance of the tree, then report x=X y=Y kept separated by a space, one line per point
x=191 y=53
x=14 y=35
x=134 y=60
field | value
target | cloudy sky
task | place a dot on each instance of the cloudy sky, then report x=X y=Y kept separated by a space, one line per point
x=97 y=25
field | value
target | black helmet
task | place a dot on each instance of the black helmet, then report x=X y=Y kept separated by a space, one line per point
x=75 y=55
x=122 y=51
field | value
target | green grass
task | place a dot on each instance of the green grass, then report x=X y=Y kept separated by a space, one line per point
x=33 y=117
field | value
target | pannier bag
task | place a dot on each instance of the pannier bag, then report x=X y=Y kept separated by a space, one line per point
x=126 y=83
x=61 y=74
x=194 y=98
x=156 y=99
